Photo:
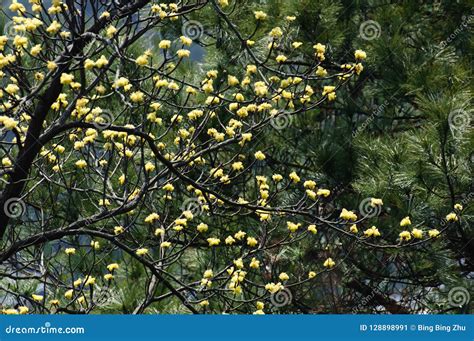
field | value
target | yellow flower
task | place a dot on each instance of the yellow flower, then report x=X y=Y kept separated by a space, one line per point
x=89 y=280
x=68 y=294
x=452 y=217
x=164 y=44
x=239 y=263
x=238 y=166
x=168 y=187
x=254 y=263
x=12 y=89
x=137 y=96
x=8 y=122
x=312 y=229
x=348 y=215
x=105 y=14
x=259 y=155
x=259 y=312
x=239 y=235
x=320 y=48
x=405 y=235
x=118 y=230
x=70 y=251
x=6 y=162
x=37 y=298
x=360 y=55
x=112 y=266
x=142 y=60
x=281 y=58
x=374 y=202
x=141 y=251
x=101 y=62
x=35 y=50
x=54 y=302
x=149 y=167
x=66 y=78
x=229 y=240
x=51 y=65
x=59 y=149
x=292 y=227
x=260 y=15
x=321 y=72
x=23 y=310
x=108 y=277
x=329 y=263
x=417 y=233
x=252 y=242
x=353 y=228
x=277 y=177
x=81 y=164
x=273 y=288
x=208 y=274
x=328 y=89
x=165 y=245
x=111 y=30
x=405 y=222
x=433 y=233
x=284 y=276
x=294 y=177
x=77 y=282
x=309 y=184
x=372 y=232
x=159 y=232
x=104 y=203
x=95 y=245
x=10 y=311
x=213 y=241
x=276 y=32
x=185 y=41
x=202 y=227
x=183 y=53
x=54 y=27
x=296 y=44
x=458 y=207
x=151 y=218
x=204 y=303
x=232 y=80
x=311 y=274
